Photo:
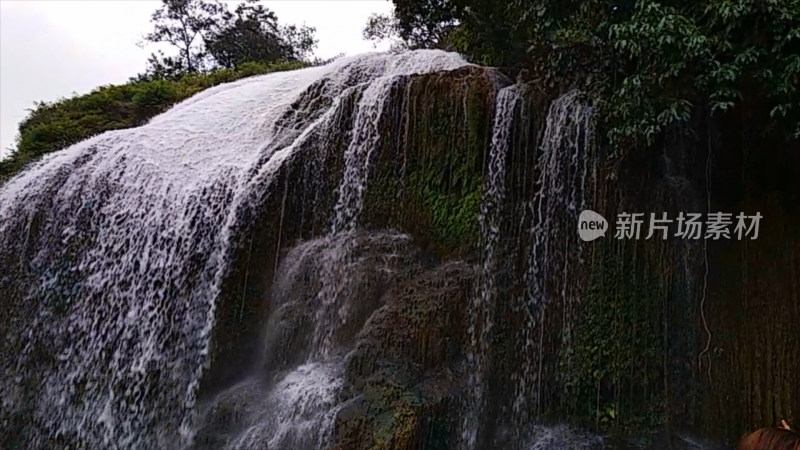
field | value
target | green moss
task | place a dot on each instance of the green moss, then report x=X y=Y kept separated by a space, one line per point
x=399 y=424
x=429 y=175
x=614 y=370
x=452 y=218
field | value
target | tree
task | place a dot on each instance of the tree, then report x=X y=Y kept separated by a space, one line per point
x=420 y=24
x=181 y=23
x=252 y=34
x=162 y=67
x=646 y=63
x=300 y=41
x=208 y=36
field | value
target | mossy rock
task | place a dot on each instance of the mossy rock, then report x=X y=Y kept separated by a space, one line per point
x=405 y=373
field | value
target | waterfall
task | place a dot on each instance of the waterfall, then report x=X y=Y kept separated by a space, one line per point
x=483 y=300
x=358 y=154
x=319 y=305
x=115 y=249
x=121 y=254
x=294 y=411
x=562 y=165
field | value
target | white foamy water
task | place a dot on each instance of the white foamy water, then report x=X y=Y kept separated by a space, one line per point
x=558 y=437
x=116 y=248
x=297 y=412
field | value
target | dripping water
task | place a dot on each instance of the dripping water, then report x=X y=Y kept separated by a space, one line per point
x=562 y=167
x=482 y=306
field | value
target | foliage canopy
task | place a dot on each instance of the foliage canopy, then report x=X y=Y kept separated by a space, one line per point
x=647 y=64
x=208 y=35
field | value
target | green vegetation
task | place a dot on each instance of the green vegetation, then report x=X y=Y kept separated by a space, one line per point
x=435 y=186
x=648 y=64
x=208 y=36
x=56 y=125
x=614 y=370
x=446 y=180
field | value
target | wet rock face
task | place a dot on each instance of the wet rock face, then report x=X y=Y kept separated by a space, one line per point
x=386 y=301
x=326 y=293
x=327 y=289
x=363 y=348
x=406 y=373
x=408 y=180
x=421 y=325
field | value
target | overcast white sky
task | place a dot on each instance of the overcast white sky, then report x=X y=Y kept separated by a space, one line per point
x=52 y=48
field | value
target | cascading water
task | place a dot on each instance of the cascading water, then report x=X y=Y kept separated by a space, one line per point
x=562 y=185
x=291 y=399
x=562 y=166
x=114 y=251
x=482 y=305
x=358 y=154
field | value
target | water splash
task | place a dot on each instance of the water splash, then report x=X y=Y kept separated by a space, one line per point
x=300 y=411
x=116 y=249
x=557 y=437
x=321 y=278
x=296 y=411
